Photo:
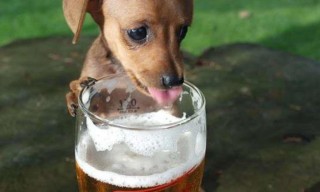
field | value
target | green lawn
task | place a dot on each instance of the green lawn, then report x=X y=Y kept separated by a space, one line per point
x=289 y=25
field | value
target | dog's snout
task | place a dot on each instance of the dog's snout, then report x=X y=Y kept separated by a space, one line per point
x=171 y=81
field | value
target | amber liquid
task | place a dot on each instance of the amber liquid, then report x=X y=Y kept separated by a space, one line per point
x=189 y=182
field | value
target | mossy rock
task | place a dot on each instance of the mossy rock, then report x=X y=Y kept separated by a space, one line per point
x=263 y=111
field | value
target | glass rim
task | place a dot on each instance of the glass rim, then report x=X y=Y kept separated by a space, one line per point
x=108 y=122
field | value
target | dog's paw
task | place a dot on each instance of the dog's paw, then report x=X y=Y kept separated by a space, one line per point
x=75 y=87
x=72 y=103
x=87 y=81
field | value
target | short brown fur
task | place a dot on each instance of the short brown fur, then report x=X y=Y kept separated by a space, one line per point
x=113 y=51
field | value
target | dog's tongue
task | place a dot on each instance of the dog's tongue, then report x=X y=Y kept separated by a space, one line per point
x=165 y=96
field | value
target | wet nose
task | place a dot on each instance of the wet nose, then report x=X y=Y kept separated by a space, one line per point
x=169 y=81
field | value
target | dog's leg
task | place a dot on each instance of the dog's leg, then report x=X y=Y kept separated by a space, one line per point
x=98 y=63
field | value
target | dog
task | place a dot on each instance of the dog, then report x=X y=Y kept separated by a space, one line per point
x=139 y=37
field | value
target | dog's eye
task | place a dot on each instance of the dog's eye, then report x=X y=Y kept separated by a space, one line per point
x=183 y=32
x=139 y=34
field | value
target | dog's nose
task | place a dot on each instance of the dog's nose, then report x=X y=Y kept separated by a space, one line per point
x=169 y=81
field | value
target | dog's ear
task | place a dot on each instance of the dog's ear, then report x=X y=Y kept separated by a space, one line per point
x=75 y=11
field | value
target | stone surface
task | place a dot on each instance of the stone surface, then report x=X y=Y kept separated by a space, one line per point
x=263 y=111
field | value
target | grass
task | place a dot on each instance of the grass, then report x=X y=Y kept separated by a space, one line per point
x=289 y=25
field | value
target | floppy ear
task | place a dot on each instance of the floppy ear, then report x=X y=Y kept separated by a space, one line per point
x=75 y=11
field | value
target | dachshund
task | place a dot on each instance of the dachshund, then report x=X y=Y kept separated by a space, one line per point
x=141 y=38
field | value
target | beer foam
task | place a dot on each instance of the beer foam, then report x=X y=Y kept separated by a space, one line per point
x=124 y=168
x=141 y=158
x=144 y=142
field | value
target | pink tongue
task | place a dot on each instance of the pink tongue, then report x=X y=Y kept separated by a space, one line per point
x=165 y=96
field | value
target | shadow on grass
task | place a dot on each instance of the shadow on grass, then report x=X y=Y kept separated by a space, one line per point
x=254 y=95
x=256 y=98
x=36 y=133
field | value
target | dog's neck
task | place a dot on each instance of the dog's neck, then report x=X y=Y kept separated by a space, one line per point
x=109 y=55
x=100 y=61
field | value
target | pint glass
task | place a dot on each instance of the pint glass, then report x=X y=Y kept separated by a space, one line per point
x=125 y=141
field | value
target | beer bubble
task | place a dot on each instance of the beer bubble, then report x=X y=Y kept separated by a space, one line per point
x=108 y=99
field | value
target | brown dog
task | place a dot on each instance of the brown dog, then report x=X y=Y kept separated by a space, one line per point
x=140 y=37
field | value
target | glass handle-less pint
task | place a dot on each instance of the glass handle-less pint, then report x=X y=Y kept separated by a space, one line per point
x=126 y=142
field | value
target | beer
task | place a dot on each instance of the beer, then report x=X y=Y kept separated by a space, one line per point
x=163 y=160
x=189 y=182
x=125 y=141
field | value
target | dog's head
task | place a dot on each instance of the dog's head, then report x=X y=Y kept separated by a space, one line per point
x=144 y=35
